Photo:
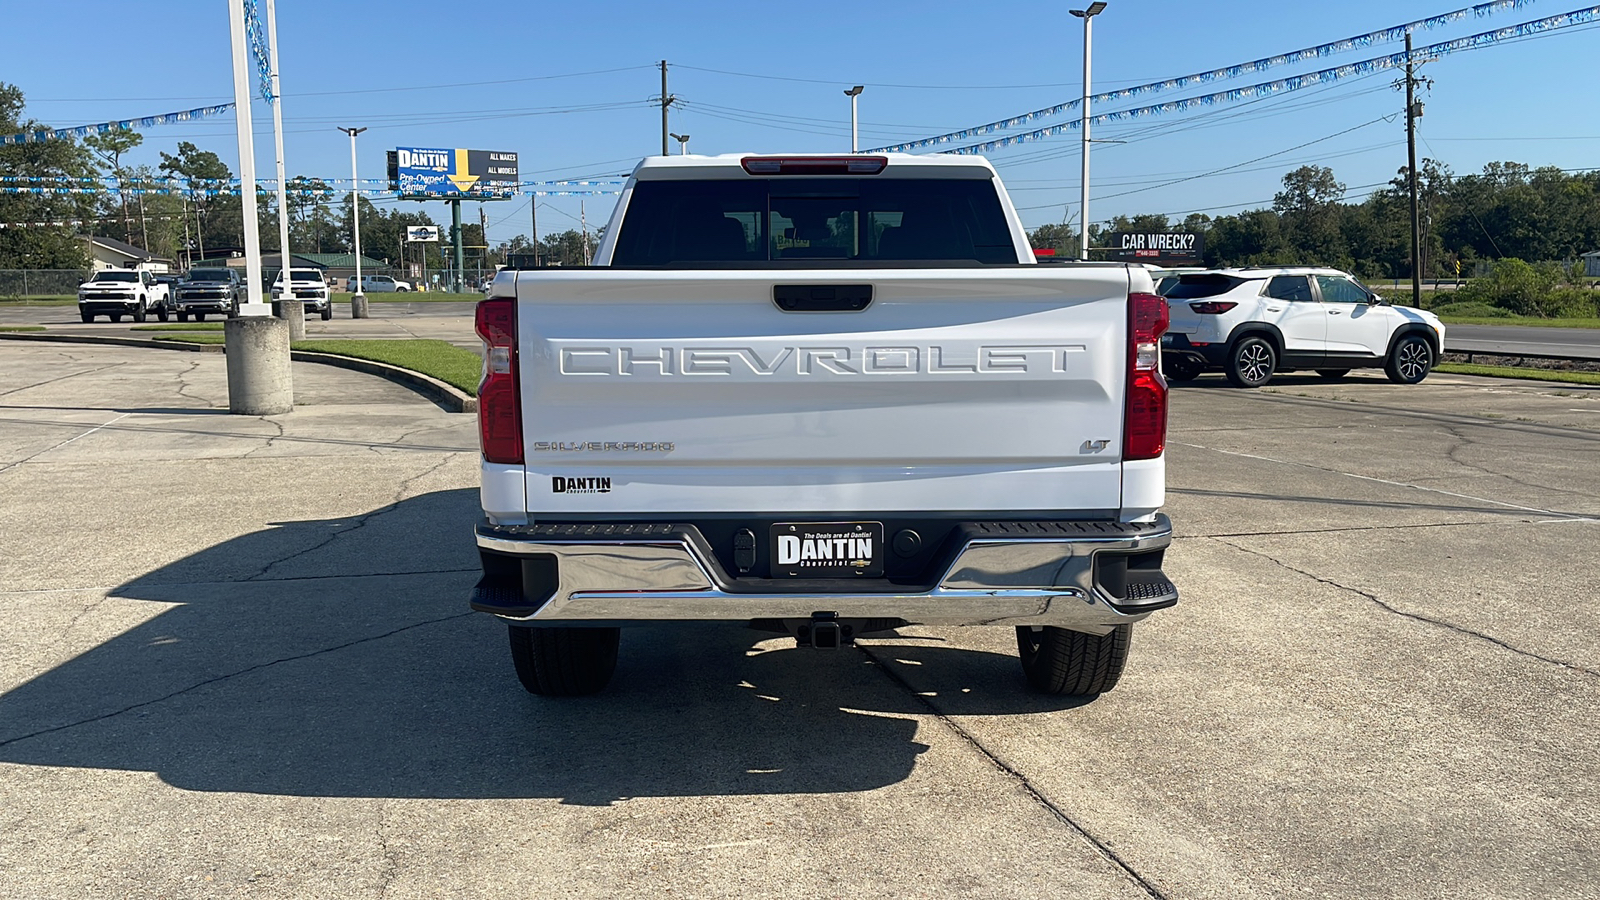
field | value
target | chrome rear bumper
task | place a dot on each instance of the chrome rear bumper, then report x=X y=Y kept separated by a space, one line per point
x=1003 y=573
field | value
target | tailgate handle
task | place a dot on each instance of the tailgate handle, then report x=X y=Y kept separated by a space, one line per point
x=822 y=297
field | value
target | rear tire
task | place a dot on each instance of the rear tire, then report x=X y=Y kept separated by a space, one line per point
x=327 y=312
x=1410 y=361
x=1072 y=663
x=199 y=317
x=87 y=317
x=1182 y=369
x=116 y=317
x=1251 y=362
x=1333 y=374
x=161 y=313
x=139 y=313
x=564 y=662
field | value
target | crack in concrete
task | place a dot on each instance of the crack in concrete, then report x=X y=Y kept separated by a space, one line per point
x=1050 y=806
x=1416 y=617
x=361 y=521
x=1463 y=443
x=391 y=862
x=271 y=440
x=184 y=386
x=229 y=676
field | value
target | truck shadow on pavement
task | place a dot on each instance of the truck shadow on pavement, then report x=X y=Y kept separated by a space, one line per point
x=336 y=658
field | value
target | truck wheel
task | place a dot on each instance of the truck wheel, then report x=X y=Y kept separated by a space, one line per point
x=87 y=317
x=183 y=316
x=115 y=317
x=564 y=662
x=1182 y=368
x=139 y=313
x=1058 y=661
x=199 y=317
x=1333 y=374
x=1251 y=362
x=327 y=312
x=1410 y=361
x=161 y=313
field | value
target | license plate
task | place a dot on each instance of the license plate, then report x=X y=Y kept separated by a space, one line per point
x=827 y=550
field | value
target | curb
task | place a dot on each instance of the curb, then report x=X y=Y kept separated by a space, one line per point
x=108 y=341
x=448 y=397
x=451 y=398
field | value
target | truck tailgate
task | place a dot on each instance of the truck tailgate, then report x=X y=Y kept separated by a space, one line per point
x=956 y=389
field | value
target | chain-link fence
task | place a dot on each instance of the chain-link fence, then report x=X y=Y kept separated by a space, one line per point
x=41 y=282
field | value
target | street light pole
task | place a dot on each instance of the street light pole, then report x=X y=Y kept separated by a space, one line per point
x=683 y=144
x=357 y=299
x=853 y=93
x=1087 y=15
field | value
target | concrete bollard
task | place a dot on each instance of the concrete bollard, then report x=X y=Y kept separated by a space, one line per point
x=358 y=306
x=294 y=312
x=259 y=380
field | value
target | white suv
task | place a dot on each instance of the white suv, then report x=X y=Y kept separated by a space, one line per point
x=1254 y=322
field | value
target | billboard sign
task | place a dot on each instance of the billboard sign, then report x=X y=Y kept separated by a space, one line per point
x=432 y=172
x=422 y=234
x=1179 y=248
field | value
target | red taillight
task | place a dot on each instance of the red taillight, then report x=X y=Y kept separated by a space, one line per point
x=814 y=165
x=499 y=412
x=1212 y=307
x=1144 y=434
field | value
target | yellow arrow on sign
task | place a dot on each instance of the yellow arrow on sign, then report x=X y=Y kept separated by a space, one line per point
x=460 y=178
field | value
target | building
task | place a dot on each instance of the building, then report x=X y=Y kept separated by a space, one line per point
x=1591 y=264
x=336 y=267
x=108 y=253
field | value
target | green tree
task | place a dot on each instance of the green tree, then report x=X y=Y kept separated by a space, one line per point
x=108 y=148
x=43 y=230
x=217 y=212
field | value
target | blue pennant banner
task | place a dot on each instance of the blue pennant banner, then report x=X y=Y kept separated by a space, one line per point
x=1384 y=36
x=1294 y=83
x=122 y=125
x=259 y=51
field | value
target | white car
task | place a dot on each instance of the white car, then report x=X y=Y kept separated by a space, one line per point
x=1254 y=322
x=307 y=286
x=378 y=284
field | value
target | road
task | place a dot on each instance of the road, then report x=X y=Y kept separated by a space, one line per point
x=1514 y=340
x=237 y=662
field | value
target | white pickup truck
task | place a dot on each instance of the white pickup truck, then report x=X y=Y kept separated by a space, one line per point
x=827 y=396
x=114 y=293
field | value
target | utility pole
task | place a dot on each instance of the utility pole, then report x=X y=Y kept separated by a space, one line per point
x=583 y=222
x=666 y=101
x=483 y=258
x=1411 y=156
x=1087 y=15
x=533 y=216
x=358 y=300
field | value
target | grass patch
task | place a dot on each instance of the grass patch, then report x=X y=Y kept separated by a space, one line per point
x=440 y=359
x=62 y=300
x=1514 y=372
x=1525 y=321
x=21 y=327
x=180 y=326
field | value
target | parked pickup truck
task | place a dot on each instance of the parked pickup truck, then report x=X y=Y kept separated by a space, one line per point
x=204 y=291
x=827 y=397
x=114 y=293
x=307 y=286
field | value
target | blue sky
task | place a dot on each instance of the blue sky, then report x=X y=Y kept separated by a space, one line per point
x=929 y=67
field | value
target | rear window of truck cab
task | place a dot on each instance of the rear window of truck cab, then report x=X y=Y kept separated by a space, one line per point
x=756 y=221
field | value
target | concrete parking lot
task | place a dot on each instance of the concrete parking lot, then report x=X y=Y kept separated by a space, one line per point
x=237 y=662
